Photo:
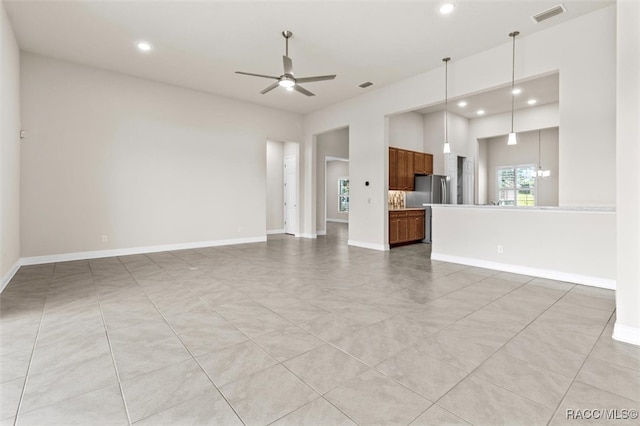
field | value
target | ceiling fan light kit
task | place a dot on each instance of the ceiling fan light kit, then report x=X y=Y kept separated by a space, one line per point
x=287 y=79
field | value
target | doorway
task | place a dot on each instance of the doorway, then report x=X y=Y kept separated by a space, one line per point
x=332 y=163
x=282 y=187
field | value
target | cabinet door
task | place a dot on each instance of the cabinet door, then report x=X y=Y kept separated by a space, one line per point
x=403 y=229
x=393 y=168
x=394 y=236
x=402 y=169
x=418 y=163
x=413 y=231
x=420 y=227
x=428 y=164
x=410 y=172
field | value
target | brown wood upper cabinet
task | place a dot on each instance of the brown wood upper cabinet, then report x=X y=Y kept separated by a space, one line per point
x=404 y=165
x=393 y=168
x=423 y=163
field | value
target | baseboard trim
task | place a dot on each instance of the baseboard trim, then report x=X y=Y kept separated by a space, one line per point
x=338 y=220
x=626 y=334
x=321 y=233
x=10 y=274
x=592 y=281
x=371 y=246
x=275 y=231
x=305 y=235
x=65 y=257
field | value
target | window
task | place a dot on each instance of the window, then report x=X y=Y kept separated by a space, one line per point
x=343 y=195
x=516 y=185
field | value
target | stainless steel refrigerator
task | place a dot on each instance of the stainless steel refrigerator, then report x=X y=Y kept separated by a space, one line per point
x=432 y=189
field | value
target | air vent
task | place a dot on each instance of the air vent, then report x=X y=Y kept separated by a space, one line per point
x=549 y=13
x=365 y=84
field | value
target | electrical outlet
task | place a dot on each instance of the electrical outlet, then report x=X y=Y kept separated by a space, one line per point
x=500 y=249
x=104 y=239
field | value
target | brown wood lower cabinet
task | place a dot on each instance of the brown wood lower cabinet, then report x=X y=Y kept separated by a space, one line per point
x=406 y=226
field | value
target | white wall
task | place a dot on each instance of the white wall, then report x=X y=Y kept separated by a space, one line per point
x=9 y=150
x=525 y=152
x=144 y=163
x=589 y=69
x=497 y=126
x=529 y=238
x=460 y=144
x=458 y=138
x=627 y=327
x=275 y=188
x=335 y=171
x=406 y=131
x=434 y=140
x=533 y=118
x=330 y=144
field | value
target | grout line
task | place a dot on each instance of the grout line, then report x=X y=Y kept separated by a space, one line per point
x=33 y=349
x=172 y=276
x=580 y=370
x=512 y=338
x=193 y=357
x=113 y=358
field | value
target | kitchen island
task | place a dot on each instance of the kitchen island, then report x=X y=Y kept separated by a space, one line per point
x=573 y=244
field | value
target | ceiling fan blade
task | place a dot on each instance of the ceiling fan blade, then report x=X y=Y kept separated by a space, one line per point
x=270 y=88
x=316 y=78
x=288 y=65
x=258 y=75
x=302 y=90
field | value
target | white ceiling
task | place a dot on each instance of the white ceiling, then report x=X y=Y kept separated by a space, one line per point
x=544 y=90
x=199 y=44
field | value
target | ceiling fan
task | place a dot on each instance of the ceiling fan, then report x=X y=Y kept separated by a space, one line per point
x=287 y=80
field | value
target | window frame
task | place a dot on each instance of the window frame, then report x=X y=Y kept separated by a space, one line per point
x=515 y=188
x=343 y=194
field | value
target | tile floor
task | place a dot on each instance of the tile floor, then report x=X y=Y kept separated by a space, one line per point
x=295 y=332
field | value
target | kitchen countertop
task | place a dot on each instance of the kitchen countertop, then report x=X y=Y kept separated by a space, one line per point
x=407 y=209
x=528 y=208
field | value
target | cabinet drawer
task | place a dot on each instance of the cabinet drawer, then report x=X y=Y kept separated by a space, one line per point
x=397 y=214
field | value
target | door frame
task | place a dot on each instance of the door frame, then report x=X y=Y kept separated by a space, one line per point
x=327 y=159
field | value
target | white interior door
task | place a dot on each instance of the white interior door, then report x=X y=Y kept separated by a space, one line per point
x=290 y=195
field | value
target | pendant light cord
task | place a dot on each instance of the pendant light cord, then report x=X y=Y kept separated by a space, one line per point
x=513 y=76
x=446 y=99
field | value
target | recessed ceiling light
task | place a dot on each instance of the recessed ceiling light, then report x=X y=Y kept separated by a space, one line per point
x=517 y=91
x=480 y=112
x=462 y=104
x=143 y=46
x=532 y=101
x=447 y=8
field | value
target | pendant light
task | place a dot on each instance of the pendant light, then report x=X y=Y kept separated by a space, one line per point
x=512 y=140
x=447 y=147
x=541 y=173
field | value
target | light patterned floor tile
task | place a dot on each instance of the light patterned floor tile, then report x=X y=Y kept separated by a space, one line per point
x=372 y=398
x=268 y=395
